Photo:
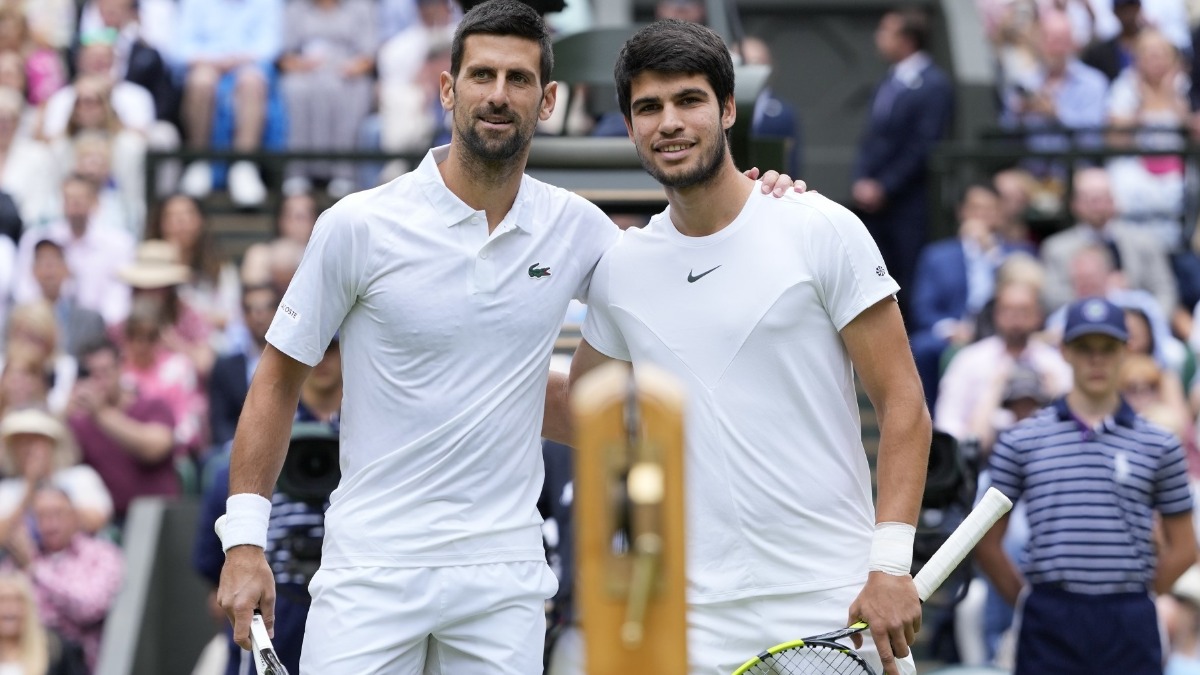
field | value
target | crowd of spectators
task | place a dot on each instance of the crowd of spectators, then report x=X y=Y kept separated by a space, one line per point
x=987 y=307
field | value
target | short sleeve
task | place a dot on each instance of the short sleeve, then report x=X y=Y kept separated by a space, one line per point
x=324 y=289
x=601 y=234
x=1005 y=467
x=1171 y=492
x=600 y=326
x=848 y=268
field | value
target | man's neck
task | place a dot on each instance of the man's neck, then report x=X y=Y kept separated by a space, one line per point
x=490 y=187
x=704 y=209
x=900 y=58
x=1092 y=409
x=1016 y=345
x=322 y=403
x=78 y=228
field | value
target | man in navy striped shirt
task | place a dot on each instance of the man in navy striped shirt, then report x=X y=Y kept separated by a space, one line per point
x=1092 y=474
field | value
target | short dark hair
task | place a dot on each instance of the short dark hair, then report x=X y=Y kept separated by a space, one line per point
x=102 y=344
x=48 y=242
x=977 y=185
x=504 y=18
x=914 y=25
x=84 y=180
x=676 y=47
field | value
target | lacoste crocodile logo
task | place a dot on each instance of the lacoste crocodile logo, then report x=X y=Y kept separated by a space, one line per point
x=536 y=272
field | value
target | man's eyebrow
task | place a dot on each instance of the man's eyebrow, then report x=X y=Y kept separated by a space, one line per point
x=643 y=100
x=688 y=91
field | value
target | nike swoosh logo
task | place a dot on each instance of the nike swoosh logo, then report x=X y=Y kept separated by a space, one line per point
x=693 y=278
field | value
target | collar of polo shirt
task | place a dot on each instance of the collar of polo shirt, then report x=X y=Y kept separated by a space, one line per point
x=452 y=209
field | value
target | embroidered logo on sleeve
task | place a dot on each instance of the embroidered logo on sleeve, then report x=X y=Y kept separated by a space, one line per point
x=289 y=312
x=880 y=271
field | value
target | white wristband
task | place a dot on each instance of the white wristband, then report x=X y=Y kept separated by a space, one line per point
x=246 y=516
x=892 y=548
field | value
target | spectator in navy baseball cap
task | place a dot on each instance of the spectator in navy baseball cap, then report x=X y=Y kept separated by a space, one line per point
x=1095 y=316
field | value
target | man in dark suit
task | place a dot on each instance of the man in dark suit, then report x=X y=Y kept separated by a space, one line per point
x=230 y=378
x=136 y=60
x=1113 y=55
x=909 y=114
x=954 y=280
x=773 y=117
x=78 y=326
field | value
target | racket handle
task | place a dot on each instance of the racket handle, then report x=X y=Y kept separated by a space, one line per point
x=259 y=638
x=964 y=538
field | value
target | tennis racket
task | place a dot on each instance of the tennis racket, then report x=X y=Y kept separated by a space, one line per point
x=824 y=655
x=266 y=661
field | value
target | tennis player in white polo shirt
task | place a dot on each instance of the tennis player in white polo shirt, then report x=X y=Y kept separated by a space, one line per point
x=448 y=286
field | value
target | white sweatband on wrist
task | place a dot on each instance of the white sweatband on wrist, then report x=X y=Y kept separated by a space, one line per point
x=892 y=549
x=246 y=516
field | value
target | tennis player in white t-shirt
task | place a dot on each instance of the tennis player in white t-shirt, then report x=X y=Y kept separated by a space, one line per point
x=448 y=286
x=765 y=309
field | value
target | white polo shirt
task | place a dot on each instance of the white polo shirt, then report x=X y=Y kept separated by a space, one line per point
x=778 y=487
x=446 y=335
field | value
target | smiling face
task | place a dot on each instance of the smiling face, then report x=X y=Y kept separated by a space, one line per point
x=497 y=97
x=678 y=127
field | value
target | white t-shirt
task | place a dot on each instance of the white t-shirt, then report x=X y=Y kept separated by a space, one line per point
x=446 y=334
x=778 y=487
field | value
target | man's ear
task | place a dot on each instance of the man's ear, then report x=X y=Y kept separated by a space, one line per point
x=549 y=98
x=446 y=90
x=729 y=115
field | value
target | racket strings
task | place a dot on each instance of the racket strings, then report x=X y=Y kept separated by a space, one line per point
x=812 y=659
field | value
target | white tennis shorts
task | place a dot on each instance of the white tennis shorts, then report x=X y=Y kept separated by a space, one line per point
x=466 y=620
x=722 y=636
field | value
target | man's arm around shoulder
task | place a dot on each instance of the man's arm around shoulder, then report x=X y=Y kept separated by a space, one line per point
x=259 y=448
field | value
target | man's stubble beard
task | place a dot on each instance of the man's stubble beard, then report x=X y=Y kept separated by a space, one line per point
x=705 y=172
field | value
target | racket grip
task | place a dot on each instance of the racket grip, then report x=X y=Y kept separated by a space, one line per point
x=964 y=538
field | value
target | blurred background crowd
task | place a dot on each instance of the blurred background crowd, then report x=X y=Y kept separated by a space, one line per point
x=130 y=330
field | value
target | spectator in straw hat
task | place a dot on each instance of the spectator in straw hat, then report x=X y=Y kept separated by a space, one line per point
x=155 y=276
x=38 y=449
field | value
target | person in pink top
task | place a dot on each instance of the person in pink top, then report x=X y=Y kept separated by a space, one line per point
x=75 y=575
x=156 y=370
